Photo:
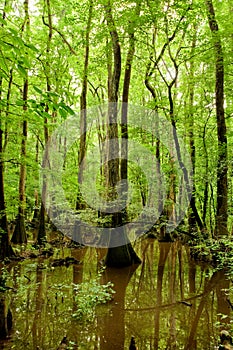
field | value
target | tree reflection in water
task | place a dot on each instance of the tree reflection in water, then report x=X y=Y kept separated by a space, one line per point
x=167 y=302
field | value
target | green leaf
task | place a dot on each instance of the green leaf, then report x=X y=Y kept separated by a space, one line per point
x=3 y=74
x=68 y=109
x=37 y=89
x=13 y=31
x=62 y=113
x=20 y=103
x=32 y=47
x=46 y=115
x=3 y=21
x=16 y=38
x=3 y=65
x=22 y=71
x=54 y=94
x=25 y=61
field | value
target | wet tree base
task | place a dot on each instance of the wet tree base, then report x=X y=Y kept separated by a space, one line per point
x=121 y=256
x=19 y=235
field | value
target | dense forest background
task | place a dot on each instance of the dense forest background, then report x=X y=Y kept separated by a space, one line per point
x=60 y=59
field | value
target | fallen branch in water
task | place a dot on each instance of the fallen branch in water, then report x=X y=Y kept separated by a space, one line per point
x=167 y=306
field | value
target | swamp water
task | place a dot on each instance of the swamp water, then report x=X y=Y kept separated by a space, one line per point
x=167 y=302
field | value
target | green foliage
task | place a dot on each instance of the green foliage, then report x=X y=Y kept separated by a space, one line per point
x=53 y=63
x=218 y=253
x=88 y=295
x=222 y=253
x=4 y=275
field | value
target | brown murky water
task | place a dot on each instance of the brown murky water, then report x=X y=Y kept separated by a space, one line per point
x=168 y=302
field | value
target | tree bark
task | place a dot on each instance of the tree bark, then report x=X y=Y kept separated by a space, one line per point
x=41 y=235
x=83 y=112
x=222 y=168
x=5 y=247
x=123 y=255
x=153 y=93
x=192 y=218
x=124 y=112
x=112 y=127
x=19 y=235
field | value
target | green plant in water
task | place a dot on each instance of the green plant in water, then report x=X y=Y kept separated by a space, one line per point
x=88 y=296
x=3 y=279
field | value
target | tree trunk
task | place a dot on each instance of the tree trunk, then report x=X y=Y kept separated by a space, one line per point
x=83 y=113
x=124 y=112
x=192 y=218
x=112 y=127
x=36 y=211
x=5 y=248
x=152 y=91
x=222 y=168
x=123 y=255
x=19 y=235
x=41 y=235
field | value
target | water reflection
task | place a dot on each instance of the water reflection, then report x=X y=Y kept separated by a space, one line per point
x=112 y=325
x=167 y=302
